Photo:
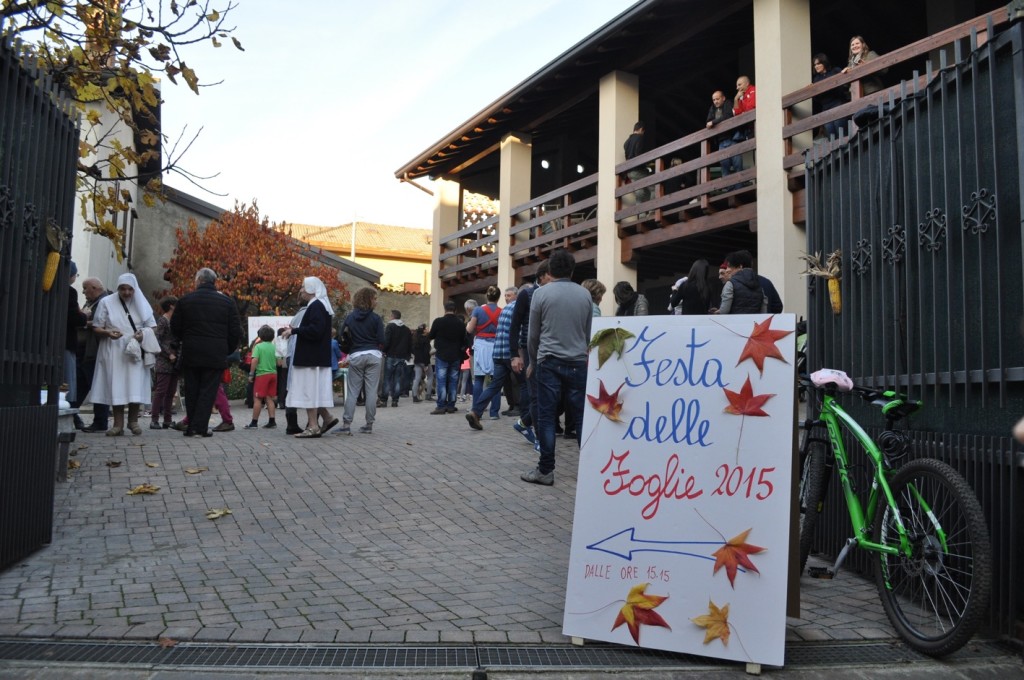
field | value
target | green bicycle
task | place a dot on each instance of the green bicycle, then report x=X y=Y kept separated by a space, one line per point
x=922 y=520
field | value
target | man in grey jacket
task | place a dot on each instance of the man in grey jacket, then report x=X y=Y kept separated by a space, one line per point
x=559 y=334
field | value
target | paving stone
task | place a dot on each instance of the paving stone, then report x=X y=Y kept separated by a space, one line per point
x=406 y=555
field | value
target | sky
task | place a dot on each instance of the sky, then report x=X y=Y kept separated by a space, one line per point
x=331 y=97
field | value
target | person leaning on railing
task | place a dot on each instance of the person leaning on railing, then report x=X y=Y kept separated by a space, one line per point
x=860 y=54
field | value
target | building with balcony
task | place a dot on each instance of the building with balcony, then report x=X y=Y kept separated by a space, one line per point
x=550 y=151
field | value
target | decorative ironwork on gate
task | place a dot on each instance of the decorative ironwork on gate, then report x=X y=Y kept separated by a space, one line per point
x=38 y=155
x=925 y=204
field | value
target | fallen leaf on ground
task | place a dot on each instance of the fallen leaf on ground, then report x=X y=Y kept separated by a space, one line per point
x=639 y=610
x=113 y=463
x=217 y=513
x=152 y=464
x=715 y=623
x=196 y=470
x=143 y=489
x=74 y=465
x=733 y=555
x=166 y=642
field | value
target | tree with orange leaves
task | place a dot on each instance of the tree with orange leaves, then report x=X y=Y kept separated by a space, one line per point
x=257 y=265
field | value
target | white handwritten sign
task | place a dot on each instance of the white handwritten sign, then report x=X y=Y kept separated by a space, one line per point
x=258 y=322
x=681 y=532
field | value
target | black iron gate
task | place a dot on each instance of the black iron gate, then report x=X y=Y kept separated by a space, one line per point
x=925 y=205
x=38 y=152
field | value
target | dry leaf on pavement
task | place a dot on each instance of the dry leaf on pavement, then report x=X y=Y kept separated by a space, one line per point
x=151 y=465
x=143 y=489
x=74 y=465
x=196 y=470
x=217 y=513
x=113 y=463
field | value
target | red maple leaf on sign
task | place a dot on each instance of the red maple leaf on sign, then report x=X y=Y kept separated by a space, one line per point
x=606 y=404
x=639 y=609
x=744 y=402
x=761 y=344
x=733 y=555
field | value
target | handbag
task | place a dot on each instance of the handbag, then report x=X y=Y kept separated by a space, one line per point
x=345 y=340
x=132 y=348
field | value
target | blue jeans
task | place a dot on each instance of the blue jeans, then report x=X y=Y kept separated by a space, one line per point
x=394 y=373
x=446 y=376
x=557 y=378
x=492 y=393
x=733 y=163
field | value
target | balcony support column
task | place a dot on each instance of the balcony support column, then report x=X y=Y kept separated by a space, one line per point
x=447 y=220
x=782 y=49
x=619 y=109
x=513 y=190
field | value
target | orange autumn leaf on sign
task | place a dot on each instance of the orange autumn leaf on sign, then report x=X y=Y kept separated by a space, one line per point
x=745 y=402
x=606 y=404
x=715 y=623
x=733 y=555
x=639 y=610
x=761 y=344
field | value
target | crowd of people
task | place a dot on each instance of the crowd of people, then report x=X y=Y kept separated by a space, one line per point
x=532 y=351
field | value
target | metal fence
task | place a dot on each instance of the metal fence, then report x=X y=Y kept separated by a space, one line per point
x=38 y=153
x=925 y=205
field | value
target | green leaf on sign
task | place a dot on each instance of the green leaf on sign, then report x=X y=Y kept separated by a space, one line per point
x=609 y=340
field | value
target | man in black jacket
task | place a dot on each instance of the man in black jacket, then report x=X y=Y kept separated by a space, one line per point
x=449 y=335
x=206 y=322
x=397 y=349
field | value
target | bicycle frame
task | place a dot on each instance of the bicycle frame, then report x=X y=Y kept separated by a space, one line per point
x=834 y=417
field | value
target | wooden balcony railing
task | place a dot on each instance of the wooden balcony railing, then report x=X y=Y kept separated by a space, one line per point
x=567 y=216
x=471 y=252
x=564 y=218
x=947 y=44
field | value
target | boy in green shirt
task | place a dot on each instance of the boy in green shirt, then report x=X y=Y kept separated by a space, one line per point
x=263 y=374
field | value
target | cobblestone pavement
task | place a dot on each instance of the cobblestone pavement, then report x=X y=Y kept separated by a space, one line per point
x=420 y=532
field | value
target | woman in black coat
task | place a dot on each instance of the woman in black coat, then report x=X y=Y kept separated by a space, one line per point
x=310 y=378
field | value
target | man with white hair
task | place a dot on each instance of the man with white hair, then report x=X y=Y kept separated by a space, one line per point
x=207 y=324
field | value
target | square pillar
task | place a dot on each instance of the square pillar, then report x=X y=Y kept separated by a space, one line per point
x=447 y=221
x=782 y=55
x=513 y=189
x=619 y=110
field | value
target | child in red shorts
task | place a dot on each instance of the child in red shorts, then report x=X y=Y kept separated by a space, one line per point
x=263 y=374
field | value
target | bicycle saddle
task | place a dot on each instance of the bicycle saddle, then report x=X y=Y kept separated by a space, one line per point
x=830 y=376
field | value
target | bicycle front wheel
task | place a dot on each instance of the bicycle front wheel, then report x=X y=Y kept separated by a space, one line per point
x=936 y=597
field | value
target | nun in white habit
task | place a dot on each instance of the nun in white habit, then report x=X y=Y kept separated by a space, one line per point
x=124 y=323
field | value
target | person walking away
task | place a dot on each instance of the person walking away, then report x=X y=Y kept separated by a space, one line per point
x=88 y=345
x=397 y=349
x=518 y=334
x=448 y=334
x=164 y=370
x=263 y=375
x=698 y=291
x=207 y=324
x=310 y=380
x=421 y=362
x=560 y=322
x=122 y=378
x=483 y=327
x=366 y=329
x=502 y=369
x=76 y=319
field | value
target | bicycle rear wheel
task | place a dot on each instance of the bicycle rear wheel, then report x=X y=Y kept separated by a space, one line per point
x=811 y=494
x=936 y=597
